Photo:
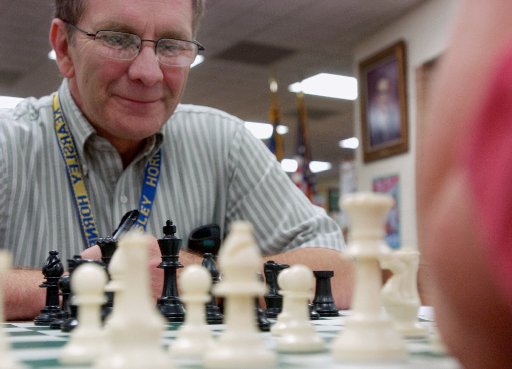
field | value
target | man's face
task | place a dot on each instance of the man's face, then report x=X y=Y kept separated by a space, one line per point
x=127 y=101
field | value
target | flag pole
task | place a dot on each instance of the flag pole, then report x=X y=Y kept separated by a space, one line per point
x=307 y=181
x=276 y=140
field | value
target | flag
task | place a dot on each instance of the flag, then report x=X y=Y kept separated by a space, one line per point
x=303 y=177
x=275 y=143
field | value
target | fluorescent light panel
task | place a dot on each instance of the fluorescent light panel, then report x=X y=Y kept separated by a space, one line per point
x=291 y=165
x=263 y=131
x=198 y=60
x=327 y=85
x=349 y=143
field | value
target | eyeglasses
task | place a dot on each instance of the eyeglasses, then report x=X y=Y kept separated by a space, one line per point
x=126 y=46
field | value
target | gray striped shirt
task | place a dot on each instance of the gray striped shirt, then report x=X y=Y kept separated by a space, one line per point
x=213 y=171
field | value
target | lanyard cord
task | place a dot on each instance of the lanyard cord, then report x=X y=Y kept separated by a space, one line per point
x=76 y=178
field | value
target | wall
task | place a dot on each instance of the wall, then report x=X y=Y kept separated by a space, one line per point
x=425 y=31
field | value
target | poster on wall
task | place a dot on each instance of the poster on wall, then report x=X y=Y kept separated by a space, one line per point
x=390 y=185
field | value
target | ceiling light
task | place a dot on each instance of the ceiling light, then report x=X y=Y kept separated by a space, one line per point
x=328 y=85
x=349 y=143
x=319 y=166
x=198 y=60
x=263 y=131
x=282 y=130
x=8 y=102
x=290 y=166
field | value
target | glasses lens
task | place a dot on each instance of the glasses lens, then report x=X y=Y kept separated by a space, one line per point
x=176 y=52
x=118 y=45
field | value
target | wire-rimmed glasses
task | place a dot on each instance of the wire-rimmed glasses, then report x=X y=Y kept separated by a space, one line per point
x=126 y=46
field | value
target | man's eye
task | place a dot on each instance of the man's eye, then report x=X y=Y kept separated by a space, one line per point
x=170 y=48
x=118 y=41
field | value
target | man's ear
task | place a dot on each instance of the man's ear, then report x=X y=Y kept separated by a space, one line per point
x=60 y=43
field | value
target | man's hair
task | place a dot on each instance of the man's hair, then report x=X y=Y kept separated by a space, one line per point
x=72 y=10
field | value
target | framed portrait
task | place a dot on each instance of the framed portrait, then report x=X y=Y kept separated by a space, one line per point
x=382 y=86
x=390 y=185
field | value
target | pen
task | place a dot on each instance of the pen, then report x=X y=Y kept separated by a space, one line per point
x=126 y=223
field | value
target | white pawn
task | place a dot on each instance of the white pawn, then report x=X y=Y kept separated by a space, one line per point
x=194 y=337
x=134 y=328
x=240 y=346
x=298 y=335
x=87 y=340
x=400 y=293
x=282 y=321
x=6 y=359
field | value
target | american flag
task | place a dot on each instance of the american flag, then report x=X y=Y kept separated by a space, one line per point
x=303 y=177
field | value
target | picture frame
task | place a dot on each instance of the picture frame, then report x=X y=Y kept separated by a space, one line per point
x=383 y=102
x=390 y=185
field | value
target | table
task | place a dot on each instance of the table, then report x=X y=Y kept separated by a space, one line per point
x=39 y=347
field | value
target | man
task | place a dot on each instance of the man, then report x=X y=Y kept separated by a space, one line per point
x=72 y=164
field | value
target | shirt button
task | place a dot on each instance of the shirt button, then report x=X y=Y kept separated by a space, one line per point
x=123 y=199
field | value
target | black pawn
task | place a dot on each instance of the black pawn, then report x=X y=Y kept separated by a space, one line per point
x=273 y=299
x=261 y=316
x=65 y=291
x=108 y=246
x=169 y=303
x=52 y=271
x=72 y=322
x=324 y=301
x=213 y=313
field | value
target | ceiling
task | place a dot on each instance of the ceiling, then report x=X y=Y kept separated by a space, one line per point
x=247 y=41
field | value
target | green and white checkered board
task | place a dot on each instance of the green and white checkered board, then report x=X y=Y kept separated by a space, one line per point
x=39 y=347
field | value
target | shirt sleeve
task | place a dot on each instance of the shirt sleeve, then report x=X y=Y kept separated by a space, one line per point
x=263 y=194
x=487 y=159
x=4 y=120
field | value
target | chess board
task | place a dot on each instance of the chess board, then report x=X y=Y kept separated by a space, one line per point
x=39 y=347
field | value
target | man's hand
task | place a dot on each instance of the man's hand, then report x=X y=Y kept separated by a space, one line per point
x=23 y=298
x=317 y=258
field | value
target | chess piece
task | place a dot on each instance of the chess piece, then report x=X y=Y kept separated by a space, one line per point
x=213 y=313
x=298 y=336
x=313 y=314
x=369 y=334
x=169 y=303
x=52 y=271
x=240 y=345
x=65 y=291
x=273 y=299
x=72 y=321
x=400 y=293
x=323 y=300
x=87 y=340
x=194 y=337
x=438 y=346
x=134 y=328
x=261 y=316
x=108 y=246
x=7 y=361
